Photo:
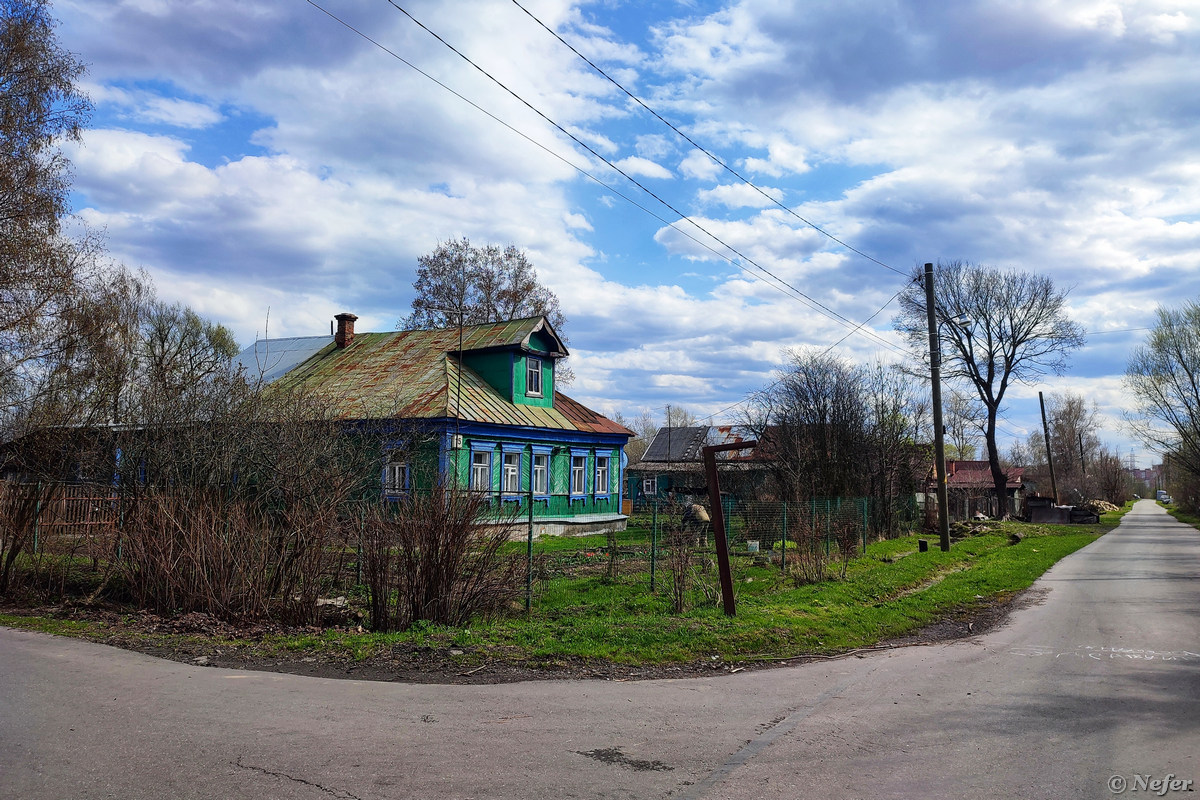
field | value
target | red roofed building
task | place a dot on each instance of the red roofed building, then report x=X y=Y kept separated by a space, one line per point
x=970 y=489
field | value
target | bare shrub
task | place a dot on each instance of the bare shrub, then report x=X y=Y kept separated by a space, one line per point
x=430 y=558
x=679 y=556
x=186 y=552
x=613 y=568
x=848 y=535
x=808 y=561
x=19 y=507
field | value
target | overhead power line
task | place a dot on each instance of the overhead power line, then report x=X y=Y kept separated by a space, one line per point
x=812 y=303
x=700 y=147
x=824 y=352
x=784 y=289
x=609 y=187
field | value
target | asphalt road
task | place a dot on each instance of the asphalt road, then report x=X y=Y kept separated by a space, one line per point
x=1098 y=682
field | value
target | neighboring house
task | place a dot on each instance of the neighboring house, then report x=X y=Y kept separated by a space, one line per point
x=481 y=406
x=971 y=490
x=672 y=469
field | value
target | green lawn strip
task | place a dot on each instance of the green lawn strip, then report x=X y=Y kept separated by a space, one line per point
x=1183 y=516
x=621 y=622
x=80 y=629
x=890 y=591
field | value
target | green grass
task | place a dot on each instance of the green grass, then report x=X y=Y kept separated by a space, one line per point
x=620 y=621
x=890 y=591
x=1183 y=516
x=82 y=629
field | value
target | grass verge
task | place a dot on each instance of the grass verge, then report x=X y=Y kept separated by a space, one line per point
x=890 y=592
x=1183 y=516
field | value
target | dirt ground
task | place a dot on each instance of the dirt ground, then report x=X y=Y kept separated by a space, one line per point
x=204 y=640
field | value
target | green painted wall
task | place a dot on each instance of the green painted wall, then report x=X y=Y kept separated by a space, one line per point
x=520 y=366
x=559 y=504
x=540 y=341
x=495 y=368
x=507 y=371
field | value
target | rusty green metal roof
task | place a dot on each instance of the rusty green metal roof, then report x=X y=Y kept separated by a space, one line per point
x=418 y=375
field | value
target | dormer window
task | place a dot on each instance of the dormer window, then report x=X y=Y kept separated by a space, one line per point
x=533 y=377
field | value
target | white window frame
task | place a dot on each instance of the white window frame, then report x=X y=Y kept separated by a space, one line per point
x=540 y=477
x=510 y=476
x=650 y=485
x=481 y=471
x=533 y=376
x=395 y=477
x=578 y=475
x=602 y=485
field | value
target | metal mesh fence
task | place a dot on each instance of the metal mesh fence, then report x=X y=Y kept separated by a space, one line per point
x=658 y=547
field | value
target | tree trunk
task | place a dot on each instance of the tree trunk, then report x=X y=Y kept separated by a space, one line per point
x=999 y=478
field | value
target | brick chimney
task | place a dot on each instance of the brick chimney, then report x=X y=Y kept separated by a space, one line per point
x=345 y=330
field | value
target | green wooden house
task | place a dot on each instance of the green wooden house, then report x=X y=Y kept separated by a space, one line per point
x=476 y=407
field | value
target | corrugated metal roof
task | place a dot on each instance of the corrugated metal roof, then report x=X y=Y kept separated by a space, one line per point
x=677 y=444
x=417 y=375
x=271 y=359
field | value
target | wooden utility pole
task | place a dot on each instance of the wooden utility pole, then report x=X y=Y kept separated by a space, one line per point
x=939 y=432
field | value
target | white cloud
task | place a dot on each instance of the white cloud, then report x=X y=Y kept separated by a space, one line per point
x=1059 y=137
x=740 y=195
x=642 y=167
x=150 y=107
x=697 y=165
x=180 y=113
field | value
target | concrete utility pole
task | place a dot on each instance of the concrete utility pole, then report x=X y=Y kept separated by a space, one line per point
x=939 y=433
x=1049 y=455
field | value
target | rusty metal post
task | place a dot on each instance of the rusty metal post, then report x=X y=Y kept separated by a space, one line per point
x=718 y=518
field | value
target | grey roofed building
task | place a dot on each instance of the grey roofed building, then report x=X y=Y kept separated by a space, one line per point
x=677 y=444
x=674 y=462
x=270 y=359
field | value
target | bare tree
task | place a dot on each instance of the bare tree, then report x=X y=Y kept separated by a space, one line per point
x=1164 y=377
x=814 y=417
x=42 y=273
x=40 y=106
x=679 y=417
x=644 y=428
x=180 y=349
x=1108 y=477
x=489 y=284
x=898 y=407
x=828 y=428
x=1016 y=330
x=964 y=425
x=1075 y=443
x=459 y=283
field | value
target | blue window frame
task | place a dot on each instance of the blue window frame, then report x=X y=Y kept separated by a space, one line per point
x=510 y=469
x=602 y=475
x=481 y=467
x=539 y=467
x=579 y=472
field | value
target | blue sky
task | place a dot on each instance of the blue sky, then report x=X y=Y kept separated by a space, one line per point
x=271 y=168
